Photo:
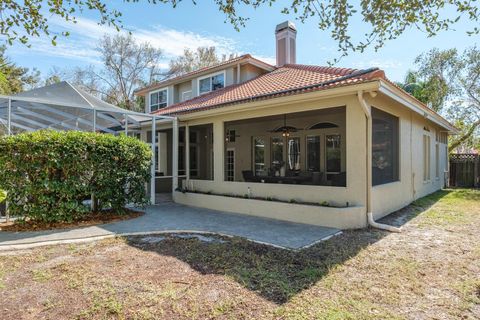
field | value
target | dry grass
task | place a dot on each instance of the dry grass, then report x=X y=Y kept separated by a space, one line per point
x=430 y=271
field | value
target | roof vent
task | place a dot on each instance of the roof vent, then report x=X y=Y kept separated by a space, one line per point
x=286 y=43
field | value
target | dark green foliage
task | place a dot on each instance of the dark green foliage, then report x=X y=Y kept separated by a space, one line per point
x=48 y=174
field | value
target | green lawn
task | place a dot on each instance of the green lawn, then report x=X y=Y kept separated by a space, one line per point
x=429 y=271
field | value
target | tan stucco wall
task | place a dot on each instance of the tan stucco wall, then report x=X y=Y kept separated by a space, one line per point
x=180 y=88
x=390 y=197
x=342 y=218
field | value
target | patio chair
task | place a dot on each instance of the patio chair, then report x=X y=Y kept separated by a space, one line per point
x=307 y=176
x=339 y=180
x=248 y=175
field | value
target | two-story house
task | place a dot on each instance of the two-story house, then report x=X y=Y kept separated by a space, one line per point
x=311 y=144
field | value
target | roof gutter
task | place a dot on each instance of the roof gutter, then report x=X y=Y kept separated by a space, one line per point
x=368 y=115
x=411 y=103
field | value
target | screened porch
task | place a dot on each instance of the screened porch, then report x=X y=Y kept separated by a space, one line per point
x=306 y=148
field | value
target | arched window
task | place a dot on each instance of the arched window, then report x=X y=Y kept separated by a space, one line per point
x=323 y=125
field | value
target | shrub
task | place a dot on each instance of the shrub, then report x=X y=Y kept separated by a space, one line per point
x=3 y=195
x=47 y=174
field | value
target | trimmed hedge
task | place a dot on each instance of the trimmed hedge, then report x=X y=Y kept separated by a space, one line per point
x=48 y=174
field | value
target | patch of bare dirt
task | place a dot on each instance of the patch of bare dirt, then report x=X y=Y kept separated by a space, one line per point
x=90 y=219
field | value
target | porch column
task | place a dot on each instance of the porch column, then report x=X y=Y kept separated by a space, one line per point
x=94 y=122
x=126 y=124
x=174 y=154
x=9 y=132
x=93 y=199
x=187 y=153
x=9 y=117
x=218 y=151
x=152 y=168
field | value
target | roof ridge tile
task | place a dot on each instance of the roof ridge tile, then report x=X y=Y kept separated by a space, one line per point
x=323 y=69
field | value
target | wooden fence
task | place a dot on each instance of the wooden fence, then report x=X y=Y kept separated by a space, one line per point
x=464 y=170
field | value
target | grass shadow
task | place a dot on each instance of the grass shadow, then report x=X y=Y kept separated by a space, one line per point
x=277 y=274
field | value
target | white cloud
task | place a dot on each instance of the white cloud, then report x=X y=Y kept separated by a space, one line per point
x=84 y=36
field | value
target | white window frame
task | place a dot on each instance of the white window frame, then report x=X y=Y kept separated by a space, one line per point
x=150 y=98
x=231 y=132
x=211 y=76
x=233 y=170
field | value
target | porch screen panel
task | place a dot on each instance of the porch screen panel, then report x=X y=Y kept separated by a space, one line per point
x=193 y=161
x=313 y=153
x=259 y=156
x=385 y=147
x=277 y=153
x=334 y=153
x=181 y=160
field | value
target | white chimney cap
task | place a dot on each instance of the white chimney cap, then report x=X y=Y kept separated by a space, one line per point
x=285 y=25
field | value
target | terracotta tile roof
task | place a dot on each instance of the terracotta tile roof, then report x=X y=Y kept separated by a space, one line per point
x=287 y=80
x=199 y=71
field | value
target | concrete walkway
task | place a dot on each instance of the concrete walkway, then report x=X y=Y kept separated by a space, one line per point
x=171 y=217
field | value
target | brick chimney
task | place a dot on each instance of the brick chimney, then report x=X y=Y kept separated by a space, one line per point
x=286 y=43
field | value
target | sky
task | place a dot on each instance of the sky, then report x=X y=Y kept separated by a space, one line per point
x=191 y=26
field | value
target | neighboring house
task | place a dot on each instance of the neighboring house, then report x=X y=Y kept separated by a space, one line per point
x=303 y=135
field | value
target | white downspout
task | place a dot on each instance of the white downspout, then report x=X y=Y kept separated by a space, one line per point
x=371 y=221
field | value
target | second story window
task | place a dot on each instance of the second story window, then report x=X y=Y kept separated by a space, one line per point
x=158 y=100
x=211 y=83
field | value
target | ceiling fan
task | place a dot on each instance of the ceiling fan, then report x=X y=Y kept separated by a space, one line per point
x=285 y=129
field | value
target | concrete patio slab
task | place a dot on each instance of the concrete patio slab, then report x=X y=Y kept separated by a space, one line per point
x=171 y=217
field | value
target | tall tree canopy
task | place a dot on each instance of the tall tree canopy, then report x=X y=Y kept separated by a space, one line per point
x=126 y=65
x=194 y=60
x=449 y=82
x=382 y=20
x=15 y=79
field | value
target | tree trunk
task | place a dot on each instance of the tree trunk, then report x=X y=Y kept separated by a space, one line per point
x=467 y=135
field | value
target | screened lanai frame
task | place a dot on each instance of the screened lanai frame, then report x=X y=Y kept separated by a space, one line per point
x=64 y=107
